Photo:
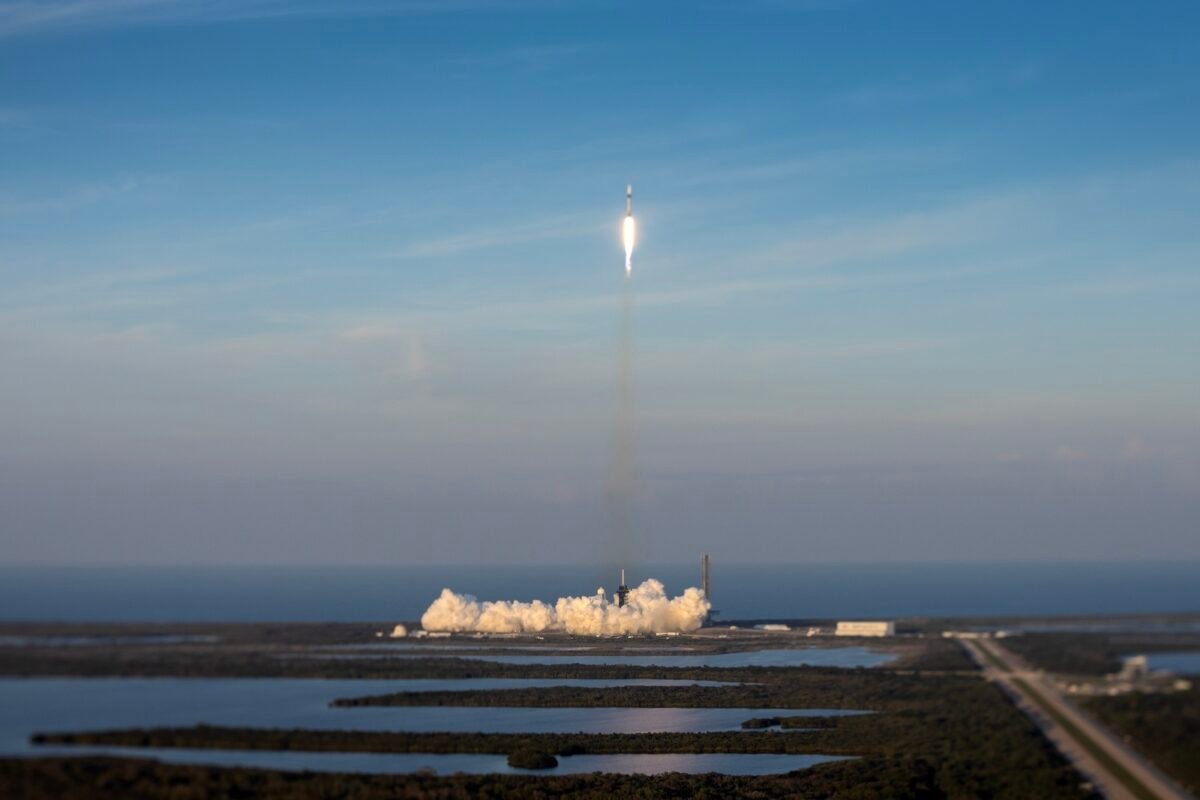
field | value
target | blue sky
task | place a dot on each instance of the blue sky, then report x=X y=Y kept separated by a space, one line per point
x=320 y=282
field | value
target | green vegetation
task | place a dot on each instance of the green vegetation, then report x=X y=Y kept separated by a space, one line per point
x=214 y=663
x=1164 y=727
x=935 y=655
x=992 y=658
x=757 y=723
x=118 y=779
x=936 y=731
x=532 y=759
x=788 y=723
x=843 y=742
x=777 y=687
x=1135 y=787
x=286 y=651
x=1092 y=653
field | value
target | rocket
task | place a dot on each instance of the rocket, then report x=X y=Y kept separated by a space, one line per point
x=629 y=200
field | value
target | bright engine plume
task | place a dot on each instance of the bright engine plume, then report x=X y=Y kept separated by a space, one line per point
x=629 y=230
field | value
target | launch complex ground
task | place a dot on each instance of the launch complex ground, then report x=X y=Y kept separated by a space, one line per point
x=965 y=714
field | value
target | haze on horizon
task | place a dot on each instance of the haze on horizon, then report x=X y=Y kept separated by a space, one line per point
x=320 y=282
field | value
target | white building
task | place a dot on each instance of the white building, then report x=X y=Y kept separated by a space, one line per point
x=865 y=628
x=1134 y=668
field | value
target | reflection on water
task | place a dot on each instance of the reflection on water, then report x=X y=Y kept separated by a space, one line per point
x=499 y=644
x=1142 y=626
x=815 y=656
x=845 y=657
x=1181 y=663
x=473 y=763
x=78 y=704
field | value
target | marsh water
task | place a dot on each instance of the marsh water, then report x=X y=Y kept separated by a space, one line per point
x=82 y=704
x=796 y=657
x=1181 y=663
x=814 y=656
x=471 y=763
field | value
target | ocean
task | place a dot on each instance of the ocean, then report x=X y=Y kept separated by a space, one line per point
x=740 y=591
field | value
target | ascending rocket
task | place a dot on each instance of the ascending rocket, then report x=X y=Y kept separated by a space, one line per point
x=628 y=230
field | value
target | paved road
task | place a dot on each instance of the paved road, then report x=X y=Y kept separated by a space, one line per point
x=1119 y=773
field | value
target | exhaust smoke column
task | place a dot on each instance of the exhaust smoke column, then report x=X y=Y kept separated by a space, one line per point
x=640 y=610
x=629 y=230
x=622 y=468
x=646 y=610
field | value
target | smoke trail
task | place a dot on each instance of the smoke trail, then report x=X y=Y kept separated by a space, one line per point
x=629 y=234
x=623 y=467
x=648 y=610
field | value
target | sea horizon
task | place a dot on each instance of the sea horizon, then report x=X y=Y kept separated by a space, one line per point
x=384 y=593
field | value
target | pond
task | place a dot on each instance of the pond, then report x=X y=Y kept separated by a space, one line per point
x=78 y=704
x=813 y=656
x=472 y=763
x=1181 y=663
x=442 y=649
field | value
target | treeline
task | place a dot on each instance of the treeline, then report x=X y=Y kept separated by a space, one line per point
x=773 y=687
x=1093 y=653
x=276 y=658
x=905 y=778
x=562 y=744
x=1165 y=727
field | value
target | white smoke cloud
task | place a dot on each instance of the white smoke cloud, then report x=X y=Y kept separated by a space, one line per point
x=646 y=610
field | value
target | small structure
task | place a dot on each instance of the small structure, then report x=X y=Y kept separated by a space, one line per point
x=424 y=634
x=399 y=632
x=865 y=628
x=1134 y=668
x=772 y=626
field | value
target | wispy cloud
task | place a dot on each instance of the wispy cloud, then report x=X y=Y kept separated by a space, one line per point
x=15 y=117
x=38 y=16
x=970 y=219
x=833 y=162
x=905 y=91
x=911 y=91
x=558 y=227
x=529 y=57
x=74 y=197
x=1129 y=284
